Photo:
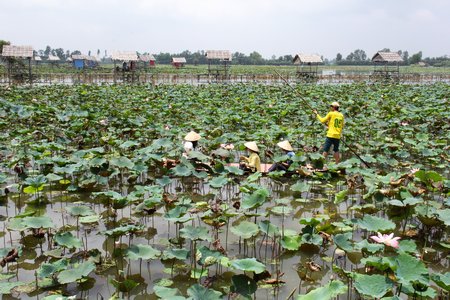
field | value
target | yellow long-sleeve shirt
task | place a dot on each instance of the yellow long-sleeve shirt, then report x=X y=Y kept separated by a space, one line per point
x=254 y=162
x=335 y=123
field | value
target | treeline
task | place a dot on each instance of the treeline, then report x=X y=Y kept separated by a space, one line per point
x=357 y=57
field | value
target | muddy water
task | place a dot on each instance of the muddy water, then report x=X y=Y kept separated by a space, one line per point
x=291 y=265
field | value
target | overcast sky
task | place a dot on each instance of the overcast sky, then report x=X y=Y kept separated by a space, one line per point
x=270 y=27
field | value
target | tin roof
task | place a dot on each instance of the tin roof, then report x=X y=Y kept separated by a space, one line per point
x=146 y=57
x=53 y=58
x=83 y=57
x=307 y=58
x=387 y=57
x=17 y=51
x=125 y=55
x=218 y=54
x=37 y=58
x=180 y=60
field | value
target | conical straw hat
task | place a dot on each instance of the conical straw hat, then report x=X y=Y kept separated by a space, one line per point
x=252 y=146
x=192 y=136
x=335 y=104
x=285 y=145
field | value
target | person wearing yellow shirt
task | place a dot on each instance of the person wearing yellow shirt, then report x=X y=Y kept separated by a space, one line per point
x=335 y=123
x=253 y=162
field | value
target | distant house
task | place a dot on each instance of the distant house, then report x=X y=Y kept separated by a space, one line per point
x=178 y=62
x=308 y=65
x=15 y=70
x=53 y=60
x=37 y=59
x=386 y=64
x=127 y=59
x=219 y=62
x=81 y=61
x=148 y=60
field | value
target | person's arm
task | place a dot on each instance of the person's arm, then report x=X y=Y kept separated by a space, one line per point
x=324 y=119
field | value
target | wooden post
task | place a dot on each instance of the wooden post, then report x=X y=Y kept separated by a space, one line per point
x=29 y=70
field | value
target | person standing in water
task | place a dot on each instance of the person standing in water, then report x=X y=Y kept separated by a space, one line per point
x=335 y=123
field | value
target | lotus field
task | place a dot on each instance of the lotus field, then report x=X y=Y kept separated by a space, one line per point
x=91 y=210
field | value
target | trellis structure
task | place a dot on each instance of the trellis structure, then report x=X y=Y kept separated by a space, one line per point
x=14 y=56
x=387 y=65
x=307 y=65
x=219 y=62
x=178 y=62
x=127 y=58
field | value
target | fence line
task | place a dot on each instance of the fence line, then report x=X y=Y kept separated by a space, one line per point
x=198 y=79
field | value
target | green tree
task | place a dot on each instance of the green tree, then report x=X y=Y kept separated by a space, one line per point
x=338 y=57
x=47 y=51
x=256 y=58
x=405 y=56
x=2 y=43
x=416 y=58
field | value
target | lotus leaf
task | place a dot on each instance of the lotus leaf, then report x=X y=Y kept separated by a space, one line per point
x=178 y=214
x=80 y=211
x=122 y=162
x=234 y=170
x=38 y=222
x=268 y=228
x=444 y=216
x=442 y=280
x=372 y=285
x=48 y=269
x=199 y=273
x=163 y=181
x=180 y=254
x=124 y=286
x=244 y=285
x=329 y=291
x=6 y=287
x=140 y=251
x=248 y=264
x=181 y=171
x=195 y=233
x=218 y=182
x=313 y=239
x=301 y=187
x=256 y=199
x=410 y=269
x=245 y=229
x=408 y=246
x=281 y=210
x=76 y=273
x=343 y=241
x=121 y=230
x=375 y=224
x=206 y=256
x=291 y=243
x=167 y=293
x=198 y=292
x=369 y=247
x=89 y=219
x=381 y=263
x=66 y=239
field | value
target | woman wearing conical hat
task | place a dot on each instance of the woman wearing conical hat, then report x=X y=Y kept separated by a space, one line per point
x=253 y=162
x=191 y=142
x=289 y=152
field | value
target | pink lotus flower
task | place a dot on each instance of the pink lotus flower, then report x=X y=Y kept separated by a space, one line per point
x=387 y=239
